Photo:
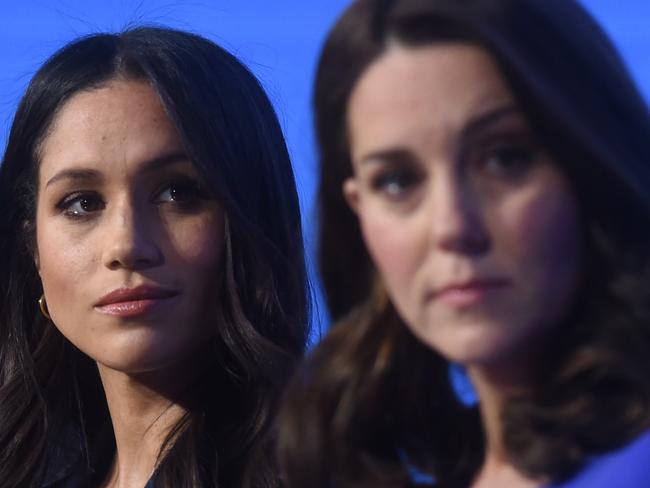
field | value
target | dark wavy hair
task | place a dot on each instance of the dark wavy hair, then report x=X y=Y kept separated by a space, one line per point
x=372 y=400
x=230 y=132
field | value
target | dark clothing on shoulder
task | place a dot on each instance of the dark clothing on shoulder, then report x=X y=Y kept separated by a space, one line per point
x=68 y=468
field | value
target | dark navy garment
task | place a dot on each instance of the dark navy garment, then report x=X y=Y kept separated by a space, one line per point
x=67 y=466
x=74 y=476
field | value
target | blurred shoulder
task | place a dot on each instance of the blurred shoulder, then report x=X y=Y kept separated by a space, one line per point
x=627 y=467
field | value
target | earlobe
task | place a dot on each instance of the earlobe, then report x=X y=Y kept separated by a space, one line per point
x=351 y=193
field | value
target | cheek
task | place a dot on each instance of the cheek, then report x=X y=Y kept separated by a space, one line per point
x=199 y=242
x=544 y=245
x=67 y=265
x=395 y=245
x=64 y=262
x=547 y=229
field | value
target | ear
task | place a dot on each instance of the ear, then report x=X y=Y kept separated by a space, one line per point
x=351 y=193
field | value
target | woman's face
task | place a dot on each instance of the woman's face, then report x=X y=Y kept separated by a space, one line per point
x=472 y=226
x=129 y=240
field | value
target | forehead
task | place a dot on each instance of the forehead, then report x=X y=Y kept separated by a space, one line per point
x=121 y=120
x=117 y=103
x=428 y=90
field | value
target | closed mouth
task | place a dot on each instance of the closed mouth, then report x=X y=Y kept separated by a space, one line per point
x=139 y=293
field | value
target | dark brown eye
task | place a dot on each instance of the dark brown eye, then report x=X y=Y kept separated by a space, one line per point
x=80 y=205
x=186 y=193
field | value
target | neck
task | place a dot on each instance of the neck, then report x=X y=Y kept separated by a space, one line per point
x=492 y=391
x=494 y=385
x=144 y=409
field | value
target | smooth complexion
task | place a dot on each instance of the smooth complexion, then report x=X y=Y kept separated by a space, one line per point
x=128 y=247
x=473 y=227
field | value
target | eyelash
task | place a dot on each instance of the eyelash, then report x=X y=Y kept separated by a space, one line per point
x=194 y=194
x=184 y=194
x=395 y=183
x=511 y=161
x=67 y=203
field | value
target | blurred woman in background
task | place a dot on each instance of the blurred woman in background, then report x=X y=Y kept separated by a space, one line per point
x=485 y=202
x=152 y=284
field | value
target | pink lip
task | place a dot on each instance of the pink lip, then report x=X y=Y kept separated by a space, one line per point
x=468 y=293
x=132 y=302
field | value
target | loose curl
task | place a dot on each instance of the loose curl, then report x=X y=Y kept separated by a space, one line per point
x=51 y=399
x=372 y=401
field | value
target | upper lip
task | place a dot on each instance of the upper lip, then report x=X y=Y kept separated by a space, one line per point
x=142 y=292
x=469 y=284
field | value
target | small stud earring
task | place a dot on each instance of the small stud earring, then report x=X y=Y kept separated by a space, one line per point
x=43 y=306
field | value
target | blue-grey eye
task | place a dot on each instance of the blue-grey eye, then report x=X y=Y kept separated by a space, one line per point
x=510 y=161
x=394 y=182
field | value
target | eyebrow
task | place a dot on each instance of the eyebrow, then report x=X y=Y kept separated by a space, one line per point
x=392 y=155
x=476 y=124
x=491 y=116
x=93 y=175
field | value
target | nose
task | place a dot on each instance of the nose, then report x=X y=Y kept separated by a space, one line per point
x=456 y=219
x=130 y=238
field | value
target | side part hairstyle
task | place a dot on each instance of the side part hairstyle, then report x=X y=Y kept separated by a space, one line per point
x=50 y=393
x=372 y=400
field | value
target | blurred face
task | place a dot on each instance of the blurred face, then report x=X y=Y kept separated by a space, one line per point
x=129 y=240
x=472 y=226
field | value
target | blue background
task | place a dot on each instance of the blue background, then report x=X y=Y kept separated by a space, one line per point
x=278 y=39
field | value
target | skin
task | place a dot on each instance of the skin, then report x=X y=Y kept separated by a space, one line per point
x=120 y=205
x=474 y=229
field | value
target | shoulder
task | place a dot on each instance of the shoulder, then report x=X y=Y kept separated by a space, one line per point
x=627 y=467
x=65 y=463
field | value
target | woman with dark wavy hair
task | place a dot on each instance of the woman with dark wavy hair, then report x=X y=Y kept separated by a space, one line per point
x=485 y=203
x=152 y=281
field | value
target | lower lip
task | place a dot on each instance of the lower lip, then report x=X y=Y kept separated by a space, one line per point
x=134 y=308
x=468 y=296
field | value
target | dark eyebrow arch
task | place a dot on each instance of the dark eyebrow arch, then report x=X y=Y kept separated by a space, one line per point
x=94 y=176
x=389 y=156
x=78 y=174
x=486 y=119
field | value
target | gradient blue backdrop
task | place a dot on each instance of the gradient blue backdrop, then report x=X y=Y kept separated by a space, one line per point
x=278 y=39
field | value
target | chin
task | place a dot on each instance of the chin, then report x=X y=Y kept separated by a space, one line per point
x=132 y=357
x=470 y=344
x=134 y=363
x=478 y=357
